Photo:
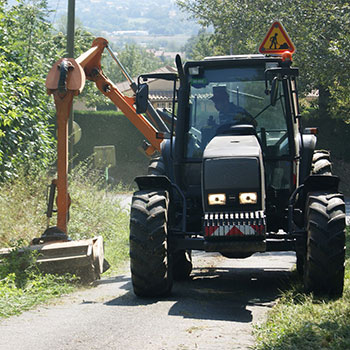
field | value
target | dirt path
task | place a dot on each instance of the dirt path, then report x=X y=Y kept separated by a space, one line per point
x=213 y=310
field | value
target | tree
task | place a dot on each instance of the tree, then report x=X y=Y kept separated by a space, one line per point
x=135 y=59
x=319 y=30
x=200 y=46
x=25 y=45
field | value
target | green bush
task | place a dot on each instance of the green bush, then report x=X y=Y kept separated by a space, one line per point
x=25 y=46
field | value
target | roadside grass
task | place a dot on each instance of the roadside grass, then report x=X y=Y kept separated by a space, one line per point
x=22 y=286
x=95 y=211
x=301 y=322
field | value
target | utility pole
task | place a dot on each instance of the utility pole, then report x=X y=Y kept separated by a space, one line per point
x=70 y=54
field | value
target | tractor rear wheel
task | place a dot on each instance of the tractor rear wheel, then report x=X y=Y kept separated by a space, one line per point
x=150 y=260
x=156 y=166
x=321 y=163
x=324 y=262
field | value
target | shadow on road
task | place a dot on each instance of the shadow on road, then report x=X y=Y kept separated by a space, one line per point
x=217 y=293
x=110 y=280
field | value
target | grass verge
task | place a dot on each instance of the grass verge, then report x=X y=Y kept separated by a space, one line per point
x=302 y=322
x=95 y=211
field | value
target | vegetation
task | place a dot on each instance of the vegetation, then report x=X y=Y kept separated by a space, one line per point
x=22 y=286
x=302 y=322
x=24 y=107
x=200 y=46
x=95 y=211
x=136 y=59
x=320 y=33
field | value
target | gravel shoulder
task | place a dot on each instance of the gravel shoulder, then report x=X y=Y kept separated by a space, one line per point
x=216 y=308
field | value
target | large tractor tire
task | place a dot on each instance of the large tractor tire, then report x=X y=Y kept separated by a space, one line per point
x=150 y=260
x=321 y=163
x=324 y=262
x=182 y=260
x=156 y=166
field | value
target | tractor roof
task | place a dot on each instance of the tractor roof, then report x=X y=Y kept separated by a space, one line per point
x=236 y=60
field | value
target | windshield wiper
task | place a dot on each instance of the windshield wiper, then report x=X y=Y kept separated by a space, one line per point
x=265 y=108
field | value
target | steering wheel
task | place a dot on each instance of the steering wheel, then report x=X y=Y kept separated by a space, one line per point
x=229 y=129
x=225 y=128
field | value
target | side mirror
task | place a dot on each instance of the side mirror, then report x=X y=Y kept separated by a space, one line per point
x=141 y=98
x=274 y=91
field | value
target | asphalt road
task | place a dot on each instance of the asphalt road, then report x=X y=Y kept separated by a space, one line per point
x=215 y=309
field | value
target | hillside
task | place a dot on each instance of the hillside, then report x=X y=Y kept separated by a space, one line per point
x=150 y=22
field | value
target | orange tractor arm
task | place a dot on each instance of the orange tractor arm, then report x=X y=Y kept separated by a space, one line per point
x=65 y=80
x=91 y=63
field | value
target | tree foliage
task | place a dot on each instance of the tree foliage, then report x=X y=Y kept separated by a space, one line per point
x=28 y=48
x=320 y=31
x=134 y=58
x=200 y=46
x=25 y=45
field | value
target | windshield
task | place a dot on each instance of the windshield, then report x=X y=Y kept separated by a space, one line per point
x=223 y=97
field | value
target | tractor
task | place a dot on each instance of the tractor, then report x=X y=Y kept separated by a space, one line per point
x=236 y=174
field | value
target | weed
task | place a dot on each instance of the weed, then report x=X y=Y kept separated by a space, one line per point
x=301 y=322
x=22 y=285
x=22 y=208
x=39 y=288
x=95 y=211
x=21 y=264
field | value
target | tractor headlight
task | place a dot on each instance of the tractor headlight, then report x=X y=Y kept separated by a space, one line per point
x=217 y=199
x=248 y=198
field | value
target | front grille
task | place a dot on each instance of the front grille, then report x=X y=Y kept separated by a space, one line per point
x=234 y=224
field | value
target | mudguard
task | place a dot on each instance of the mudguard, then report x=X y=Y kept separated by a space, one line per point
x=153 y=181
x=321 y=183
x=307 y=147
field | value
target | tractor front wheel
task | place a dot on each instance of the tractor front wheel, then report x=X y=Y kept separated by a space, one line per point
x=324 y=262
x=151 y=272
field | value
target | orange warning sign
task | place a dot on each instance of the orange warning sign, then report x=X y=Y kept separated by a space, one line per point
x=276 y=41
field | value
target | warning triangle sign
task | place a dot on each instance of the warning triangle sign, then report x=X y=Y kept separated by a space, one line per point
x=276 y=41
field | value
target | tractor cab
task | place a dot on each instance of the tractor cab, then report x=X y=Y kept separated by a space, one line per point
x=223 y=95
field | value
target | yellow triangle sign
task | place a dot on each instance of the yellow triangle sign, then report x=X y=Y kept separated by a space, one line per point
x=276 y=41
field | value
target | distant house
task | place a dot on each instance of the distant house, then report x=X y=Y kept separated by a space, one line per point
x=160 y=91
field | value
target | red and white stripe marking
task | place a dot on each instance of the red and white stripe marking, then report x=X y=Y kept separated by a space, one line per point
x=234 y=230
x=234 y=224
